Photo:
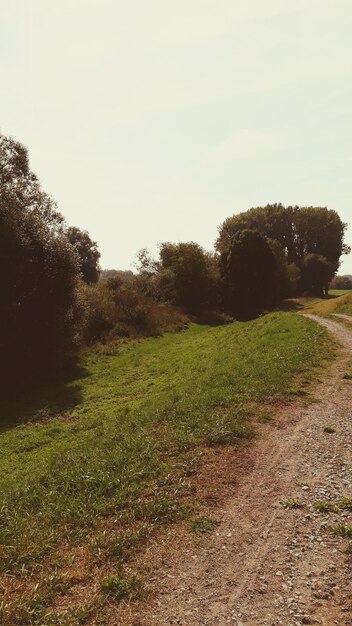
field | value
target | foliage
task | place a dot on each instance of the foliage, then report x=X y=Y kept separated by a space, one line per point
x=121 y=586
x=316 y=273
x=87 y=251
x=291 y=503
x=120 y=307
x=300 y=232
x=249 y=269
x=202 y=524
x=342 y=530
x=188 y=276
x=106 y=274
x=324 y=506
x=40 y=306
x=341 y=282
x=329 y=429
x=287 y=275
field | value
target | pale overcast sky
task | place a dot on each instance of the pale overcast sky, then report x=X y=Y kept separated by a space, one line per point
x=154 y=120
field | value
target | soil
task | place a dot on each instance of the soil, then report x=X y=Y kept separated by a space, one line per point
x=266 y=563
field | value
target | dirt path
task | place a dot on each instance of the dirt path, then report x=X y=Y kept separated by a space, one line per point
x=266 y=564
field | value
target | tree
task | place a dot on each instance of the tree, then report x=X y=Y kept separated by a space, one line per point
x=249 y=269
x=341 y=282
x=300 y=231
x=272 y=221
x=188 y=276
x=316 y=274
x=39 y=306
x=286 y=275
x=320 y=231
x=88 y=253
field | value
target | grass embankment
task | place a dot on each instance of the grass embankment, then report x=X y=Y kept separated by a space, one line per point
x=144 y=412
x=340 y=302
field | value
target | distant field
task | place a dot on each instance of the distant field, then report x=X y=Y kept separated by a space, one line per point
x=339 y=292
x=141 y=414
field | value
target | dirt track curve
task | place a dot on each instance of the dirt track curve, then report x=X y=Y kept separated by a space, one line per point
x=266 y=564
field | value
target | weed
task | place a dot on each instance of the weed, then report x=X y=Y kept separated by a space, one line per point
x=347 y=376
x=265 y=418
x=342 y=530
x=329 y=429
x=32 y=608
x=123 y=587
x=323 y=506
x=296 y=391
x=128 y=541
x=202 y=525
x=346 y=503
x=291 y=503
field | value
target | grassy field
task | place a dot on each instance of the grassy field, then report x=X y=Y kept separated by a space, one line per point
x=117 y=445
x=339 y=292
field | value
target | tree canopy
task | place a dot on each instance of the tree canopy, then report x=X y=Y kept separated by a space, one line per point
x=88 y=253
x=299 y=230
x=316 y=274
x=341 y=282
x=188 y=276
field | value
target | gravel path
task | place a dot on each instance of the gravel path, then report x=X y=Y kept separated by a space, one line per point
x=266 y=564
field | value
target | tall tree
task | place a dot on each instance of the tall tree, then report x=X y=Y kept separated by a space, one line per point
x=88 y=253
x=315 y=274
x=300 y=231
x=188 y=276
x=249 y=270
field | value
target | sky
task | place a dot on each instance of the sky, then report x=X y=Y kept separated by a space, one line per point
x=154 y=120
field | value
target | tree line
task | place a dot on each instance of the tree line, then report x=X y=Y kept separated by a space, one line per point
x=43 y=263
x=54 y=296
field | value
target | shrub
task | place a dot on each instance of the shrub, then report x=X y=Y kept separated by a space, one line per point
x=118 y=308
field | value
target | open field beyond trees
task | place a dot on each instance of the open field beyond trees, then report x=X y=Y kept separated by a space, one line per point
x=116 y=447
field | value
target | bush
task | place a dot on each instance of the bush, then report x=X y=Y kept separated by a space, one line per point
x=118 y=308
x=188 y=276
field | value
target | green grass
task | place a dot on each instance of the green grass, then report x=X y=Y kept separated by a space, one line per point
x=121 y=586
x=340 y=302
x=345 y=305
x=202 y=525
x=120 y=441
x=339 y=292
